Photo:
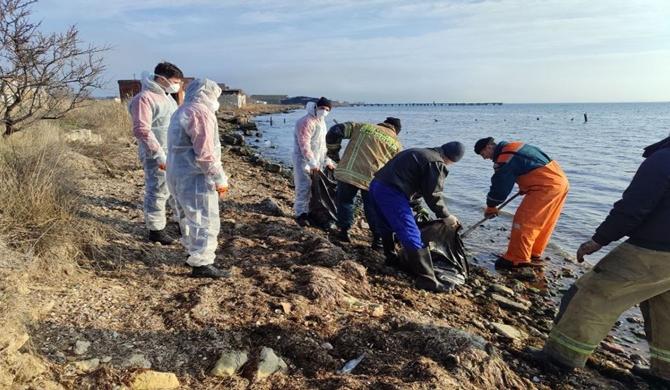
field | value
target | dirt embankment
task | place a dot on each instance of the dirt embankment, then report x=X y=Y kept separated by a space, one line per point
x=297 y=303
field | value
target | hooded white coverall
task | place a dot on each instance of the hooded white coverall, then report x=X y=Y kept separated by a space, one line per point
x=194 y=170
x=151 y=110
x=309 y=151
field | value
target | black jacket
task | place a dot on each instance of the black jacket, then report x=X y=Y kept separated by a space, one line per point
x=643 y=213
x=418 y=171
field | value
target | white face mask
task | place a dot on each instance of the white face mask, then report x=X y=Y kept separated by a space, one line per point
x=321 y=113
x=173 y=88
x=214 y=105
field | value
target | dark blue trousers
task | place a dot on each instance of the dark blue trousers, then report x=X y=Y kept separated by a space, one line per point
x=394 y=215
x=346 y=205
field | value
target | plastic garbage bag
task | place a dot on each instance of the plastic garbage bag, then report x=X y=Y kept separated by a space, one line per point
x=447 y=250
x=322 y=207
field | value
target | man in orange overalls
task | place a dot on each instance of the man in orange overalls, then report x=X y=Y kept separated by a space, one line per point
x=545 y=187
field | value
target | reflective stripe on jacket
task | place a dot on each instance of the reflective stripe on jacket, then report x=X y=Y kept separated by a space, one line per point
x=369 y=148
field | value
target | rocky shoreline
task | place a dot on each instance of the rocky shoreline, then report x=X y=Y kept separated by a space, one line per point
x=300 y=310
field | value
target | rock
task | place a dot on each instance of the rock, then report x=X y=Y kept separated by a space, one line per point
x=611 y=347
x=526 y=274
x=154 y=380
x=229 y=362
x=638 y=359
x=106 y=359
x=87 y=365
x=81 y=347
x=273 y=168
x=327 y=346
x=502 y=289
x=269 y=364
x=84 y=136
x=233 y=139
x=15 y=344
x=508 y=331
x=137 y=360
x=634 y=320
x=509 y=304
x=377 y=311
x=286 y=307
x=270 y=206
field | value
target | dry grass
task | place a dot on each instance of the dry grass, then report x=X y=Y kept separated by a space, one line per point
x=38 y=197
x=107 y=118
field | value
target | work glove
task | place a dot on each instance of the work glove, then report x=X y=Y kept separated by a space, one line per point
x=222 y=187
x=587 y=248
x=161 y=159
x=491 y=212
x=452 y=222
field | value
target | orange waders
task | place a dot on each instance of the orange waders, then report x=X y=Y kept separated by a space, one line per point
x=545 y=190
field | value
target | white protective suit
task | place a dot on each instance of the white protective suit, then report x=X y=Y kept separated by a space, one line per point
x=194 y=170
x=309 y=151
x=151 y=110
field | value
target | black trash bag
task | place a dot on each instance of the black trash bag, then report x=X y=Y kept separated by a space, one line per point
x=447 y=250
x=322 y=208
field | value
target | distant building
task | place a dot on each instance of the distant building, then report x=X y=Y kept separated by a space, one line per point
x=234 y=98
x=269 y=99
x=302 y=100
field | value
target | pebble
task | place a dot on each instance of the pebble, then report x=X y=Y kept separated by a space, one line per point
x=269 y=363
x=137 y=360
x=377 y=311
x=327 y=346
x=614 y=348
x=502 y=289
x=87 y=365
x=81 y=347
x=508 y=331
x=154 y=380
x=509 y=304
x=229 y=362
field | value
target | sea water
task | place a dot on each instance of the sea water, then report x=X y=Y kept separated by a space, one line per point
x=599 y=156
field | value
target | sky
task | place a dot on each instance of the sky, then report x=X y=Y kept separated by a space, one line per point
x=512 y=51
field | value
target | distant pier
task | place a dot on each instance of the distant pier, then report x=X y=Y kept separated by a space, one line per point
x=424 y=104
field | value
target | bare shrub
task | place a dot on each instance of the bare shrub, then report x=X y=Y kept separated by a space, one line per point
x=42 y=76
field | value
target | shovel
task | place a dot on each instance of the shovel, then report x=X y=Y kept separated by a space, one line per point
x=476 y=225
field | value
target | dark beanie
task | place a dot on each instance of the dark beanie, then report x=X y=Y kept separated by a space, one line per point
x=453 y=150
x=395 y=122
x=481 y=144
x=323 y=102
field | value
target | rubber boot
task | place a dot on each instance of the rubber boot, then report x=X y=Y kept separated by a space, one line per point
x=160 y=236
x=376 y=243
x=420 y=264
x=208 y=271
x=303 y=220
x=388 y=244
x=343 y=235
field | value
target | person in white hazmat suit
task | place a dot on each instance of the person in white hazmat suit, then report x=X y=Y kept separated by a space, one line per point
x=309 y=154
x=195 y=175
x=151 y=110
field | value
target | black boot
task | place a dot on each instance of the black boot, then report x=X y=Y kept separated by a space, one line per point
x=654 y=380
x=377 y=244
x=209 y=271
x=389 y=250
x=343 y=235
x=420 y=264
x=160 y=236
x=302 y=220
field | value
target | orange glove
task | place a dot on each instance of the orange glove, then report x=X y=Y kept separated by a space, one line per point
x=162 y=166
x=491 y=212
x=222 y=190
